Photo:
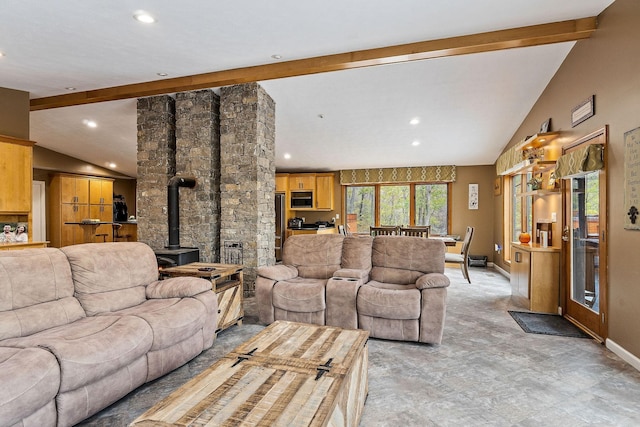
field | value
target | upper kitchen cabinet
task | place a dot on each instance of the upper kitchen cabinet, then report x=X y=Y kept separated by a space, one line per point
x=304 y=181
x=282 y=182
x=324 y=191
x=16 y=162
x=311 y=192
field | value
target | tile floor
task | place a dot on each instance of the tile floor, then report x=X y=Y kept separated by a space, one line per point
x=487 y=372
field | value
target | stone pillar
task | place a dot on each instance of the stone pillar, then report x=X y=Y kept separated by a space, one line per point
x=247 y=152
x=198 y=155
x=156 y=165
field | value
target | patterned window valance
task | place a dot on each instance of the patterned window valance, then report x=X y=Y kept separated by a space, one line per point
x=584 y=159
x=389 y=175
x=508 y=160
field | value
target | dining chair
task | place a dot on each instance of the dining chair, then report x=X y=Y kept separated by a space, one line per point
x=463 y=256
x=418 y=231
x=384 y=230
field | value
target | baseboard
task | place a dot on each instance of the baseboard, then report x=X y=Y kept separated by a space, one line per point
x=623 y=354
x=501 y=271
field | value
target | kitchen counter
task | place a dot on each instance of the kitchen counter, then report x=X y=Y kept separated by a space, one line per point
x=311 y=229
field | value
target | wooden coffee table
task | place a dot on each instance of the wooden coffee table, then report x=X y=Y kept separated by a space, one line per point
x=290 y=374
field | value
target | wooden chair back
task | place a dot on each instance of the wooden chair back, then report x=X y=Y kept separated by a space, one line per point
x=383 y=231
x=422 y=231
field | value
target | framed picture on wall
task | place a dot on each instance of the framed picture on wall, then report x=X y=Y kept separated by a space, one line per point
x=473 y=196
x=497 y=186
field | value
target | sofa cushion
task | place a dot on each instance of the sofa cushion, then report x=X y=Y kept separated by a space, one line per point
x=30 y=379
x=111 y=276
x=388 y=301
x=401 y=259
x=91 y=348
x=300 y=295
x=36 y=292
x=316 y=256
x=356 y=253
x=171 y=319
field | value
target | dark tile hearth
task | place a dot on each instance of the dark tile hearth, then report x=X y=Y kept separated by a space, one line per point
x=487 y=371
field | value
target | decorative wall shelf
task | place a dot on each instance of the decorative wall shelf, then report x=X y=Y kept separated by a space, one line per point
x=539 y=193
x=538 y=140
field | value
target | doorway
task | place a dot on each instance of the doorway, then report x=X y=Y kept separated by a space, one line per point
x=584 y=244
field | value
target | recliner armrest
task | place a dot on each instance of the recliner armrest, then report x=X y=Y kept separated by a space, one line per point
x=277 y=272
x=352 y=273
x=177 y=287
x=432 y=280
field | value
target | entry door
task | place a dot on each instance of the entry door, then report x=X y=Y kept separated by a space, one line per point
x=584 y=246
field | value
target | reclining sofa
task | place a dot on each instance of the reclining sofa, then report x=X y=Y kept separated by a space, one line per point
x=82 y=326
x=392 y=286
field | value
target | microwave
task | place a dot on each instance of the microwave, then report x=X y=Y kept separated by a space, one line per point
x=302 y=200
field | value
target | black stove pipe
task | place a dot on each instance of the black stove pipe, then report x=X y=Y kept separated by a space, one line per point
x=173 y=204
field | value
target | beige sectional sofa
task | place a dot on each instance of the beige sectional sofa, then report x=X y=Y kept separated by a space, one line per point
x=82 y=326
x=392 y=286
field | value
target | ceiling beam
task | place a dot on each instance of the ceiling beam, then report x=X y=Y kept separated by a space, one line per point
x=534 y=35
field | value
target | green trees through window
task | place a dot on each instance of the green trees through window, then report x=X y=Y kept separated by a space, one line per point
x=395 y=205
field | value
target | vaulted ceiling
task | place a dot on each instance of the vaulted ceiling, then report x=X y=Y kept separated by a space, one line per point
x=347 y=77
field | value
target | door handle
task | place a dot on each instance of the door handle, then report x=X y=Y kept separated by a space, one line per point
x=565 y=234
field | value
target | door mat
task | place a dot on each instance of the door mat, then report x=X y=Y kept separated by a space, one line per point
x=547 y=324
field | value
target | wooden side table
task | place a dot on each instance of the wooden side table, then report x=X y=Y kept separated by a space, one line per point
x=226 y=282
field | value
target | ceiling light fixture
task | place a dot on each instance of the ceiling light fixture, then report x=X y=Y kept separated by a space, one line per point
x=287 y=156
x=1 y=54
x=70 y=88
x=144 y=17
x=276 y=56
x=162 y=74
x=415 y=143
x=112 y=165
x=414 y=121
x=90 y=123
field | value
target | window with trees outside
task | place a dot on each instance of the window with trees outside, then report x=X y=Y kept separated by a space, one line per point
x=521 y=211
x=397 y=204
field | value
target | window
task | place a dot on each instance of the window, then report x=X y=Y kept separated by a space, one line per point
x=397 y=204
x=360 y=208
x=520 y=210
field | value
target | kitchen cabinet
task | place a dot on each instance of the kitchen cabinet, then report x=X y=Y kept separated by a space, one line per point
x=305 y=181
x=311 y=192
x=535 y=277
x=71 y=200
x=16 y=163
x=324 y=192
x=282 y=183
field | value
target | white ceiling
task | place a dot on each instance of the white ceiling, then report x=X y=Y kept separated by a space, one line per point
x=469 y=106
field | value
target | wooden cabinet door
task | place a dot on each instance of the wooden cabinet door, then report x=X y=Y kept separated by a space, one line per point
x=74 y=190
x=282 y=183
x=305 y=181
x=324 y=192
x=520 y=272
x=15 y=188
x=100 y=191
x=72 y=234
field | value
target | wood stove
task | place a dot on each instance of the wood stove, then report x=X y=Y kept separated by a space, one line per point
x=174 y=255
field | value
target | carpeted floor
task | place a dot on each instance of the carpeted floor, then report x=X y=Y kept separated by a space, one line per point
x=487 y=372
x=546 y=324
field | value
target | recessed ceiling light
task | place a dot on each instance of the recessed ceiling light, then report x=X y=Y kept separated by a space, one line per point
x=143 y=17
x=70 y=88
x=287 y=156
x=276 y=56
x=112 y=165
x=90 y=123
x=414 y=121
x=415 y=143
x=1 y=54
x=162 y=74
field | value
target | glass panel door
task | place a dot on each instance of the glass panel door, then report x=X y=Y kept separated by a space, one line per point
x=585 y=242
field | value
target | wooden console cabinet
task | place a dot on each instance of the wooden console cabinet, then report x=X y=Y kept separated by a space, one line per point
x=535 y=277
x=226 y=282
